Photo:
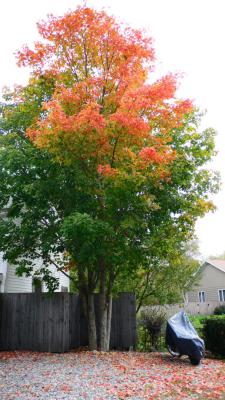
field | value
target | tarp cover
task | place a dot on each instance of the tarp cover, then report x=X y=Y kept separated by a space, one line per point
x=182 y=337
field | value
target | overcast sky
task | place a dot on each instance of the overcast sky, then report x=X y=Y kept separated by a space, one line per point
x=189 y=37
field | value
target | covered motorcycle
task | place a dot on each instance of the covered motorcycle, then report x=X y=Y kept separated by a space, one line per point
x=182 y=338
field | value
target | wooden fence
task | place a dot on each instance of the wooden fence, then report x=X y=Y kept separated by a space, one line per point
x=56 y=323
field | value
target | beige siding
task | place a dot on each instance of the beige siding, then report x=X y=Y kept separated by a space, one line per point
x=190 y=308
x=211 y=280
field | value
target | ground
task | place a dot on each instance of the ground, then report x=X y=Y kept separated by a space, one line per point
x=116 y=375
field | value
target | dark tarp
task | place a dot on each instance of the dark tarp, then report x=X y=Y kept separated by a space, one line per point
x=182 y=337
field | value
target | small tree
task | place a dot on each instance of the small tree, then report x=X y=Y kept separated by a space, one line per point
x=153 y=320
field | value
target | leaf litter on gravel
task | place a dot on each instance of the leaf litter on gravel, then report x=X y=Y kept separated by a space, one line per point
x=115 y=375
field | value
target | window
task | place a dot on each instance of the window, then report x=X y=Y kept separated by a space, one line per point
x=64 y=289
x=221 y=294
x=201 y=297
x=36 y=285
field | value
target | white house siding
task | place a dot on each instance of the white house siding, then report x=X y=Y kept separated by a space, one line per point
x=3 y=270
x=16 y=284
x=211 y=280
x=63 y=282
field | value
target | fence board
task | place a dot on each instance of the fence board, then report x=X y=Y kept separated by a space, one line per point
x=74 y=321
x=115 y=329
x=56 y=323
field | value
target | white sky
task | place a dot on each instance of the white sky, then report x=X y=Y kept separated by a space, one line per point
x=189 y=37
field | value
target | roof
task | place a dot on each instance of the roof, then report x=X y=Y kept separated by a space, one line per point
x=217 y=263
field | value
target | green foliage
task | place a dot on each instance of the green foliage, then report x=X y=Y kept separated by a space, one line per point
x=198 y=323
x=36 y=192
x=170 y=269
x=214 y=334
x=92 y=237
x=164 y=279
x=23 y=105
x=51 y=214
x=37 y=282
x=220 y=310
x=144 y=340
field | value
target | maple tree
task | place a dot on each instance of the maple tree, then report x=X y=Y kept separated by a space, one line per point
x=100 y=156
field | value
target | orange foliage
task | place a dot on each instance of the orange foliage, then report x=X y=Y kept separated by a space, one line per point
x=103 y=110
x=106 y=170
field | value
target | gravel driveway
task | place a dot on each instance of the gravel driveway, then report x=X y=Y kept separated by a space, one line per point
x=115 y=375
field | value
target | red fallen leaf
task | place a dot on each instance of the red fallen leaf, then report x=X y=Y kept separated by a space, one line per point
x=5 y=355
x=122 y=368
x=47 y=388
x=65 y=388
x=121 y=395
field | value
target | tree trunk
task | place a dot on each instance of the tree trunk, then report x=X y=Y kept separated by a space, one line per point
x=105 y=305
x=103 y=342
x=105 y=308
x=92 y=334
x=86 y=290
x=89 y=311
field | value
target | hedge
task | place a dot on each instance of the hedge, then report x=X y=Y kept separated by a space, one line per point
x=220 y=310
x=214 y=334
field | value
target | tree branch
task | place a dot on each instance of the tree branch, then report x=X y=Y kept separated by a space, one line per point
x=141 y=297
x=114 y=150
x=60 y=269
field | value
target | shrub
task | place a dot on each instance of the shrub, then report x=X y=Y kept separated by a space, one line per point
x=153 y=320
x=143 y=343
x=220 y=310
x=198 y=323
x=214 y=334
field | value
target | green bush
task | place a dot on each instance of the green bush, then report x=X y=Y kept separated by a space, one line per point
x=220 y=310
x=143 y=342
x=198 y=323
x=214 y=334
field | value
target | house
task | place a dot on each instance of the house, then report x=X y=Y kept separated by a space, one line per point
x=11 y=283
x=210 y=287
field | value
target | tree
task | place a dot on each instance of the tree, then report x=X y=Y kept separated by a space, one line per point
x=101 y=159
x=164 y=280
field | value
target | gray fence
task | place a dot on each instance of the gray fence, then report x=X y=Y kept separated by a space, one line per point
x=56 y=323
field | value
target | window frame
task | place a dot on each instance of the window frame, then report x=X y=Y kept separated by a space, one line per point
x=222 y=291
x=38 y=287
x=201 y=296
x=64 y=289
